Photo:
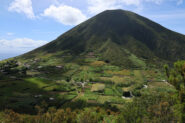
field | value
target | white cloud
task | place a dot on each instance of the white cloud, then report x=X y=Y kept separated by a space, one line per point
x=65 y=14
x=154 y=1
x=9 y=33
x=179 y=2
x=22 y=6
x=169 y=15
x=19 y=45
x=96 y=6
x=131 y=2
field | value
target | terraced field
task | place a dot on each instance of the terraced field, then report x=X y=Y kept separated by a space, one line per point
x=73 y=82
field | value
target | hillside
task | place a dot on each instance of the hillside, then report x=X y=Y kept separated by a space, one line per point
x=105 y=70
x=118 y=37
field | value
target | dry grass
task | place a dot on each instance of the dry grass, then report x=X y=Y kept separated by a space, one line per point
x=116 y=79
x=159 y=84
x=98 y=87
x=127 y=89
x=123 y=72
x=84 y=68
x=98 y=63
x=111 y=99
x=105 y=79
x=32 y=73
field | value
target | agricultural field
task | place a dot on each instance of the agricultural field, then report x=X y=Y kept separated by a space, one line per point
x=89 y=86
x=95 y=82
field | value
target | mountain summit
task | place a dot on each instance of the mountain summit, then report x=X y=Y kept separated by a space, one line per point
x=117 y=37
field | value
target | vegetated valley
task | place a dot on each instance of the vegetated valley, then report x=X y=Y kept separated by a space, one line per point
x=117 y=67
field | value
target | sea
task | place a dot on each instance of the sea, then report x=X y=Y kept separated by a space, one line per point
x=6 y=56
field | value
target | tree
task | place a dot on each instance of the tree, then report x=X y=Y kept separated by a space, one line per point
x=166 y=68
x=23 y=70
x=177 y=78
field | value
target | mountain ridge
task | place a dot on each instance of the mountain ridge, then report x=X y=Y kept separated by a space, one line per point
x=114 y=35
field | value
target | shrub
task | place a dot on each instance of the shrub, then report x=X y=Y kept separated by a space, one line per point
x=90 y=116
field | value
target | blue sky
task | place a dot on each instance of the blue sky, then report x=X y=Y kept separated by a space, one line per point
x=28 y=24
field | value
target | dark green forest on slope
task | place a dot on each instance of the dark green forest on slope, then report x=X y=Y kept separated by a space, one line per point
x=117 y=36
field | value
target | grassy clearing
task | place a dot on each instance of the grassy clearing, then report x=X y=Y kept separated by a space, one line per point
x=137 y=62
x=109 y=91
x=40 y=82
x=97 y=87
x=91 y=96
x=117 y=79
x=97 y=63
x=67 y=97
x=160 y=85
x=110 y=99
x=123 y=72
x=138 y=75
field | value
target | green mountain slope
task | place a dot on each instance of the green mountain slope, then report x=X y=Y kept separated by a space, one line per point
x=118 y=37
